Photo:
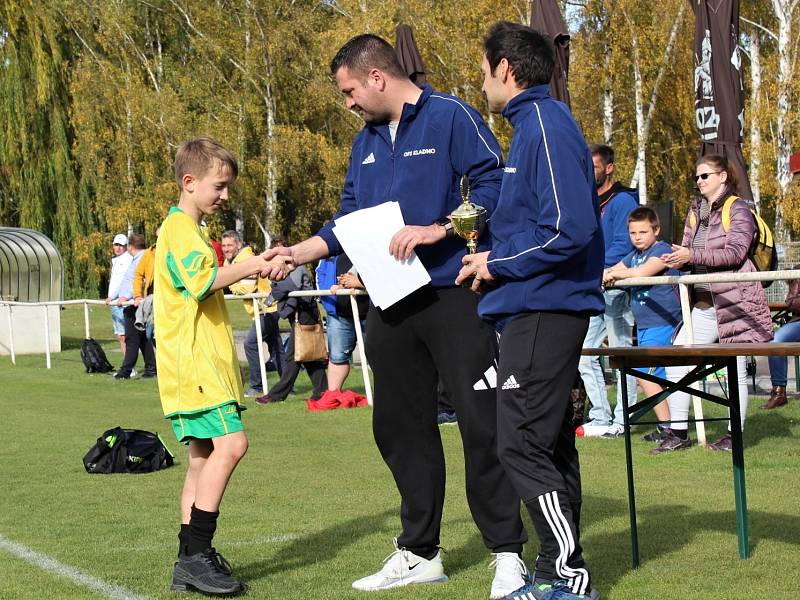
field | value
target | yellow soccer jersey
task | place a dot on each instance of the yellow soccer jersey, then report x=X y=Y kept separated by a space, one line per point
x=197 y=364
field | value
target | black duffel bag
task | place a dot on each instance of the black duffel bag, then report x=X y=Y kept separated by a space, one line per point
x=121 y=450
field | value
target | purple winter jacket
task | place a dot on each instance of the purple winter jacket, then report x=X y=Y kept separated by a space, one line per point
x=742 y=310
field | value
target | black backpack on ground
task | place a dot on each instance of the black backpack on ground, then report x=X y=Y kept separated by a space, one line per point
x=93 y=357
x=121 y=450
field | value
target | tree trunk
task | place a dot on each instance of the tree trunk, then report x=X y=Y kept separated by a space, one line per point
x=755 y=112
x=783 y=12
x=651 y=109
x=608 y=99
x=639 y=178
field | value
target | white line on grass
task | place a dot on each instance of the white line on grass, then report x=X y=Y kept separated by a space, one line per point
x=53 y=566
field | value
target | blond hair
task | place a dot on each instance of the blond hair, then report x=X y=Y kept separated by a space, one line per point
x=199 y=155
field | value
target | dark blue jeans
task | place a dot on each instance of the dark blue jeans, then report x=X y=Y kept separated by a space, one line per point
x=778 y=365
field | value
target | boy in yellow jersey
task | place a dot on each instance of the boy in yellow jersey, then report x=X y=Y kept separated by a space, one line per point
x=198 y=375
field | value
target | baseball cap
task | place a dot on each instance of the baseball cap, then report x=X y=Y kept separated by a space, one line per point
x=121 y=239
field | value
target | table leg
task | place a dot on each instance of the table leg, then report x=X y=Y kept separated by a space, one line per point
x=629 y=466
x=739 y=487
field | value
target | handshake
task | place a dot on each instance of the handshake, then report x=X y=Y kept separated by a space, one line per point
x=275 y=264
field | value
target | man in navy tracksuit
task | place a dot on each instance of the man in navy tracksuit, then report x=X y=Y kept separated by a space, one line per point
x=540 y=283
x=414 y=149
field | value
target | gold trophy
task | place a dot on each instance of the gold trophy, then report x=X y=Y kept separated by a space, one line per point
x=469 y=221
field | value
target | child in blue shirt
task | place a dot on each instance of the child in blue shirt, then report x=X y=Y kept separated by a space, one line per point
x=656 y=308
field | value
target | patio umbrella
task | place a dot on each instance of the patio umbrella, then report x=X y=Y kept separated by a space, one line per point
x=718 y=91
x=408 y=55
x=546 y=17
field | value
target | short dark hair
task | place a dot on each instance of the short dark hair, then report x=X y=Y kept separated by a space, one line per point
x=277 y=241
x=644 y=213
x=365 y=52
x=605 y=152
x=232 y=234
x=529 y=53
x=136 y=240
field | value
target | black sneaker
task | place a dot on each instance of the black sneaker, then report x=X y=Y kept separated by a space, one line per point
x=148 y=375
x=658 y=435
x=206 y=572
x=121 y=375
x=671 y=443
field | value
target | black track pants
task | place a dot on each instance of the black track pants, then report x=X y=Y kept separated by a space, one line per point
x=539 y=355
x=436 y=334
x=136 y=341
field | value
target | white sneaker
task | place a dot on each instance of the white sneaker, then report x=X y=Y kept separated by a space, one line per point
x=403 y=567
x=614 y=431
x=510 y=574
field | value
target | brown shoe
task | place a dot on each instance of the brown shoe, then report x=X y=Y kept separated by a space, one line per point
x=777 y=397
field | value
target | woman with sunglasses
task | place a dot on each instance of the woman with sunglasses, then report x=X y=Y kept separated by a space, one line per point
x=721 y=312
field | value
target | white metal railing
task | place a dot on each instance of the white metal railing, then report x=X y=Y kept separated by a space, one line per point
x=256 y=313
x=683 y=282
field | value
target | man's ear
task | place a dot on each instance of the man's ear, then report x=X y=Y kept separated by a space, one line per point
x=503 y=69
x=609 y=168
x=376 y=78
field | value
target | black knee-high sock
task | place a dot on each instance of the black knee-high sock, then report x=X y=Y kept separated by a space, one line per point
x=183 y=539
x=202 y=526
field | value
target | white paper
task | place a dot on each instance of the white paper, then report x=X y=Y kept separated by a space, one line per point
x=365 y=235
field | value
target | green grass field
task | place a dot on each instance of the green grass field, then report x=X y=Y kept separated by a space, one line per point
x=312 y=506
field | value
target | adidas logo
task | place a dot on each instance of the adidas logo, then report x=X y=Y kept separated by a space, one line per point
x=487 y=381
x=369 y=160
x=511 y=383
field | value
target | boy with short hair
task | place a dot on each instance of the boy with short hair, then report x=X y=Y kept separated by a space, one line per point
x=656 y=308
x=198 y=376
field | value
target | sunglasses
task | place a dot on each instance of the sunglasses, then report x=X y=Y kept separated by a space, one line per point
x=705 y=176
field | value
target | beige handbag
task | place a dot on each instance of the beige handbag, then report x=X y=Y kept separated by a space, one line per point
x=309 y=342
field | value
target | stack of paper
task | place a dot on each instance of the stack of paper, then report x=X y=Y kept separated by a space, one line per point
x=365 y=235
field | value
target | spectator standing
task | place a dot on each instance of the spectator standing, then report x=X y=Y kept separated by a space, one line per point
x=656 y=308
x=135 y=340
x=235 y=251
x=334 y=273
x=721 y=312
x=305 y=311
x=119 y=265
x=143 y=292
x=616 y=203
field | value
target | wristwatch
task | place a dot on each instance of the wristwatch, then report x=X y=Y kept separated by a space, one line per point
x=448 y=226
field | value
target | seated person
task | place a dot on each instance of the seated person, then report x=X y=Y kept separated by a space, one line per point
x=790 y=332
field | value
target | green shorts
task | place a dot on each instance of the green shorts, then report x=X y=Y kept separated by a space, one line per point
x=207 y=424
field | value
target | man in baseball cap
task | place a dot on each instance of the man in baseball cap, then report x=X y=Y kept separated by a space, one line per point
x=119 y=265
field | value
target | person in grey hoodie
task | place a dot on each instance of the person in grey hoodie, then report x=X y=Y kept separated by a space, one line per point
x=729 y=312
